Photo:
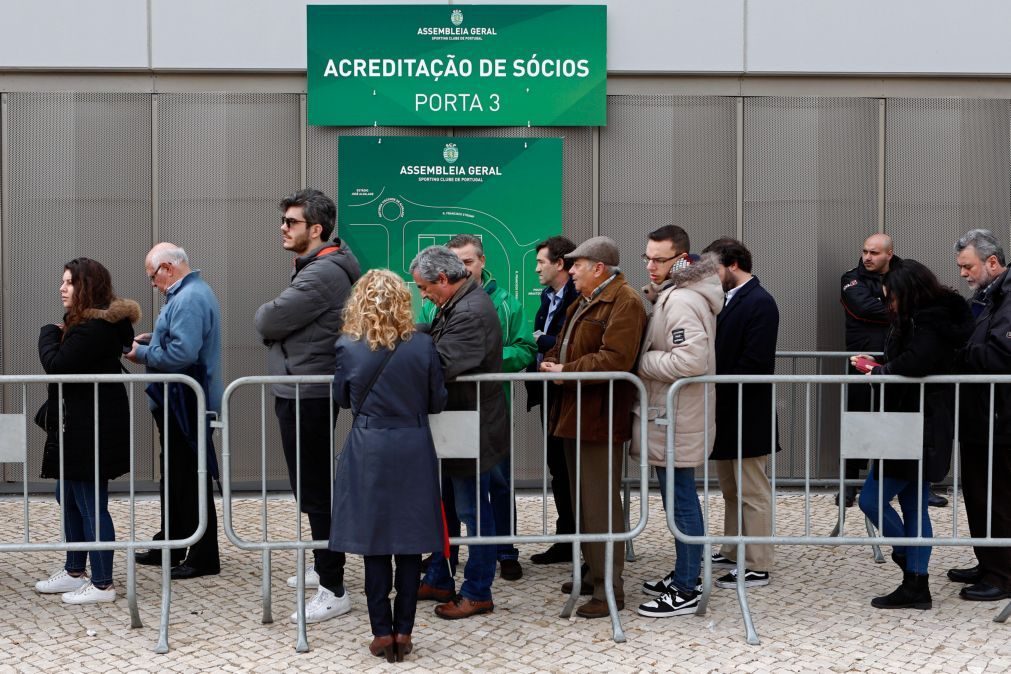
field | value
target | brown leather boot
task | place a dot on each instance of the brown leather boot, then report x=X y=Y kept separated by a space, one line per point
x=461 y=607
x=384 y=647
x=428 y=593
x=404 y=645
x=597 y=608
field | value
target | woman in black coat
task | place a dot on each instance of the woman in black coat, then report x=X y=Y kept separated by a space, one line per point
x=386 y=491
x=96 y=329
x=929 y=323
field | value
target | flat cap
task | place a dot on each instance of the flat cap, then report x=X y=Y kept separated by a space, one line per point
x=599 y=248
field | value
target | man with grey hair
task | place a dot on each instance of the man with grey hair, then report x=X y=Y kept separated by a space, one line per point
x=602 y=333
x=299 y=328
x=186 y=340
x=468 y=337
x=988 y=351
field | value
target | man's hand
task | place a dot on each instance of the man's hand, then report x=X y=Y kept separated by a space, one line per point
x=551 y=366
x=143 y=338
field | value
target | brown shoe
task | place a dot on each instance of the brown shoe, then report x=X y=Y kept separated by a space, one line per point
x=404 y=645
x=384 y=647
x=461 y=607
x=428 y=593
x=585 y=588
x=597 y=608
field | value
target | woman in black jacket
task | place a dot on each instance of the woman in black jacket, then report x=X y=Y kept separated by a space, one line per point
x=95 y=331
x=929 y=323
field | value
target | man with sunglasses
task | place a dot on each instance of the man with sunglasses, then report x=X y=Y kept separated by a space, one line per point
x=300 y=327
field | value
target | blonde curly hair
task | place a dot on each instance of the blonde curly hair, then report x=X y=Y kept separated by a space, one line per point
x=379 y=310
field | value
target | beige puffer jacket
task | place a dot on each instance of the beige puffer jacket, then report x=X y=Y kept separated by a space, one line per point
x=680 y=342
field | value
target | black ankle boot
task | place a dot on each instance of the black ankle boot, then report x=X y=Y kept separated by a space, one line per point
x=913 y=593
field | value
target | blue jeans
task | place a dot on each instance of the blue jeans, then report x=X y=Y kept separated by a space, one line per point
x=688 y=519
x=480 y=570
x=913 y=501
x=501 y=502
x=79 y=514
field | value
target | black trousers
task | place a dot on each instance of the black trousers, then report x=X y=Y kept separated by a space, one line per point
x=317 y=477
x=180 y=503
x=380 y=580
x=995 y=562
x=560 y=488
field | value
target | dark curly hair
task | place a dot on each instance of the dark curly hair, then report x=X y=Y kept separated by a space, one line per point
x=92 y=288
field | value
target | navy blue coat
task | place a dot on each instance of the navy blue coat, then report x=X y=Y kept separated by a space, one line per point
x=386 y=493
x=746 y=332
x=535 y=389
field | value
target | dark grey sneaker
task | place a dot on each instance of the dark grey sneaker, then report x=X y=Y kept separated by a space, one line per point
x=720 y=560
x=751 y=579
x=671 y=604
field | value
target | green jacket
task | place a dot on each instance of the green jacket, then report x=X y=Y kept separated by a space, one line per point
x=518 y=346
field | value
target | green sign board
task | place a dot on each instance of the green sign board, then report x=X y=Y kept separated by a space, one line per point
x=457 y=65
x=398 y=195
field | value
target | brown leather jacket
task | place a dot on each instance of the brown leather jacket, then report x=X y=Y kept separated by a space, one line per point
x=602 y=335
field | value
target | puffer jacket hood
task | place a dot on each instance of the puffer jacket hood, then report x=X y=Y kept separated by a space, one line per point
x=116 y=312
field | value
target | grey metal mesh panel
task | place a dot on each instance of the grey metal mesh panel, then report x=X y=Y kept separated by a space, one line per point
x=947 y=171
x=666 y=160
x=810 y=199
x=80 y=185
x=224 y=163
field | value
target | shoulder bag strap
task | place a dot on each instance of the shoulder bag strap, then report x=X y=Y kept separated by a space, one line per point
x=375 y=377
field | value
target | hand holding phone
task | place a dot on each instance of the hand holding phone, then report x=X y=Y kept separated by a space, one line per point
x=864 y=363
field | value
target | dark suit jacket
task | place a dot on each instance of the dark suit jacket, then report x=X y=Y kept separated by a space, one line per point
x=535 y=389
x=746 y=333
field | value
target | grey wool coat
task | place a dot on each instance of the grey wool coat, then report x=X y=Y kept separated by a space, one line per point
x=386 y=492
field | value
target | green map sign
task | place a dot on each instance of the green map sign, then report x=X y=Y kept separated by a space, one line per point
x=397 y=195
x=457 y=65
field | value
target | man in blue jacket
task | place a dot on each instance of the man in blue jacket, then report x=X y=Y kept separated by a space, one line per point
x=186 y=340
x=299 y=328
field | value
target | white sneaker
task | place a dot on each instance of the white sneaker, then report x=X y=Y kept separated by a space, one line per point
x=311 y=578
x=324 y=605
x=89 y=594
x=61 y=582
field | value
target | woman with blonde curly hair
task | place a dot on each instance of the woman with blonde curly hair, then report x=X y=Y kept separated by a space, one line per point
x=386 y=491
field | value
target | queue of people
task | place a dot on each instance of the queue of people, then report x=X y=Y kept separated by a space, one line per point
x=709 y=315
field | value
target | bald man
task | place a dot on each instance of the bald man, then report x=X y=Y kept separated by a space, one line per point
x=186 y=340
x=866 y=323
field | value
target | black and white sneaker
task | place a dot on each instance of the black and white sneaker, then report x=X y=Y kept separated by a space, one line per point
x=751 y=579
x=720 y=560
x=672 y=603
x=655 y=588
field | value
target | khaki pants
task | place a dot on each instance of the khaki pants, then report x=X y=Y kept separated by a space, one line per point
x=594 y=497
x=756 y=509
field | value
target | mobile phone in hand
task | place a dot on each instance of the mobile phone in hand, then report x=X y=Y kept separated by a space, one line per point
x=865 y=365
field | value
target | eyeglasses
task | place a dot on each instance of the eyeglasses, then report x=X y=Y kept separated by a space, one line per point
x=658 y=260
x=291 y=222
x=155 y=272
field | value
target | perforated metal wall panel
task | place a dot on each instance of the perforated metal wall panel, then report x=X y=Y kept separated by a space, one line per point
x=666 y=160
x=810 y=199
x=224 y=163
x=947 y=171
x=79 y=185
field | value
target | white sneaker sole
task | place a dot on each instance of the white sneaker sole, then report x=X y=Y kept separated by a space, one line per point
x=747 y=583
x=93 y=598
x=664 y=613
x=44 y=587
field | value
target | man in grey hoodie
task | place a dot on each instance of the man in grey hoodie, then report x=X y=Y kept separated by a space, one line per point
x=299 y=328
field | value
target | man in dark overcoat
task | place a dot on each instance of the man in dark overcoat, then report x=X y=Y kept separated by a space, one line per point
x=468 y=337
x=746 y=332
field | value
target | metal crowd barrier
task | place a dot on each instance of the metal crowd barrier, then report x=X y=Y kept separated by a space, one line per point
x=807 y=538
x=266 y=545
x=16 y=431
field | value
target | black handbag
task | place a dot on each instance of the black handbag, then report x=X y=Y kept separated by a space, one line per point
x=40 y=416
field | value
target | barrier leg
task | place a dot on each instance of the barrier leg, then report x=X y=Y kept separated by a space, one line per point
x=302 y=642
x=577 y=582
x=707 y=579
x=268 y=616
x=166 y=600
x=1003 y=615
x=875 y=549
x=839 y=523
x=612 y=605
x=742 y=597
x=626 y=507
x=131 y=589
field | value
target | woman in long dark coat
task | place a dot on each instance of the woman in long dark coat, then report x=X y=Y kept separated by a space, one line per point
x=91 y=339
x=386 y=492
x=929 y=323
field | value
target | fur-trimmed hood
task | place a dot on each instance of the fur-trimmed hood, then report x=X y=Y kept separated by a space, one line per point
x=700 y=275
x=117 y=311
